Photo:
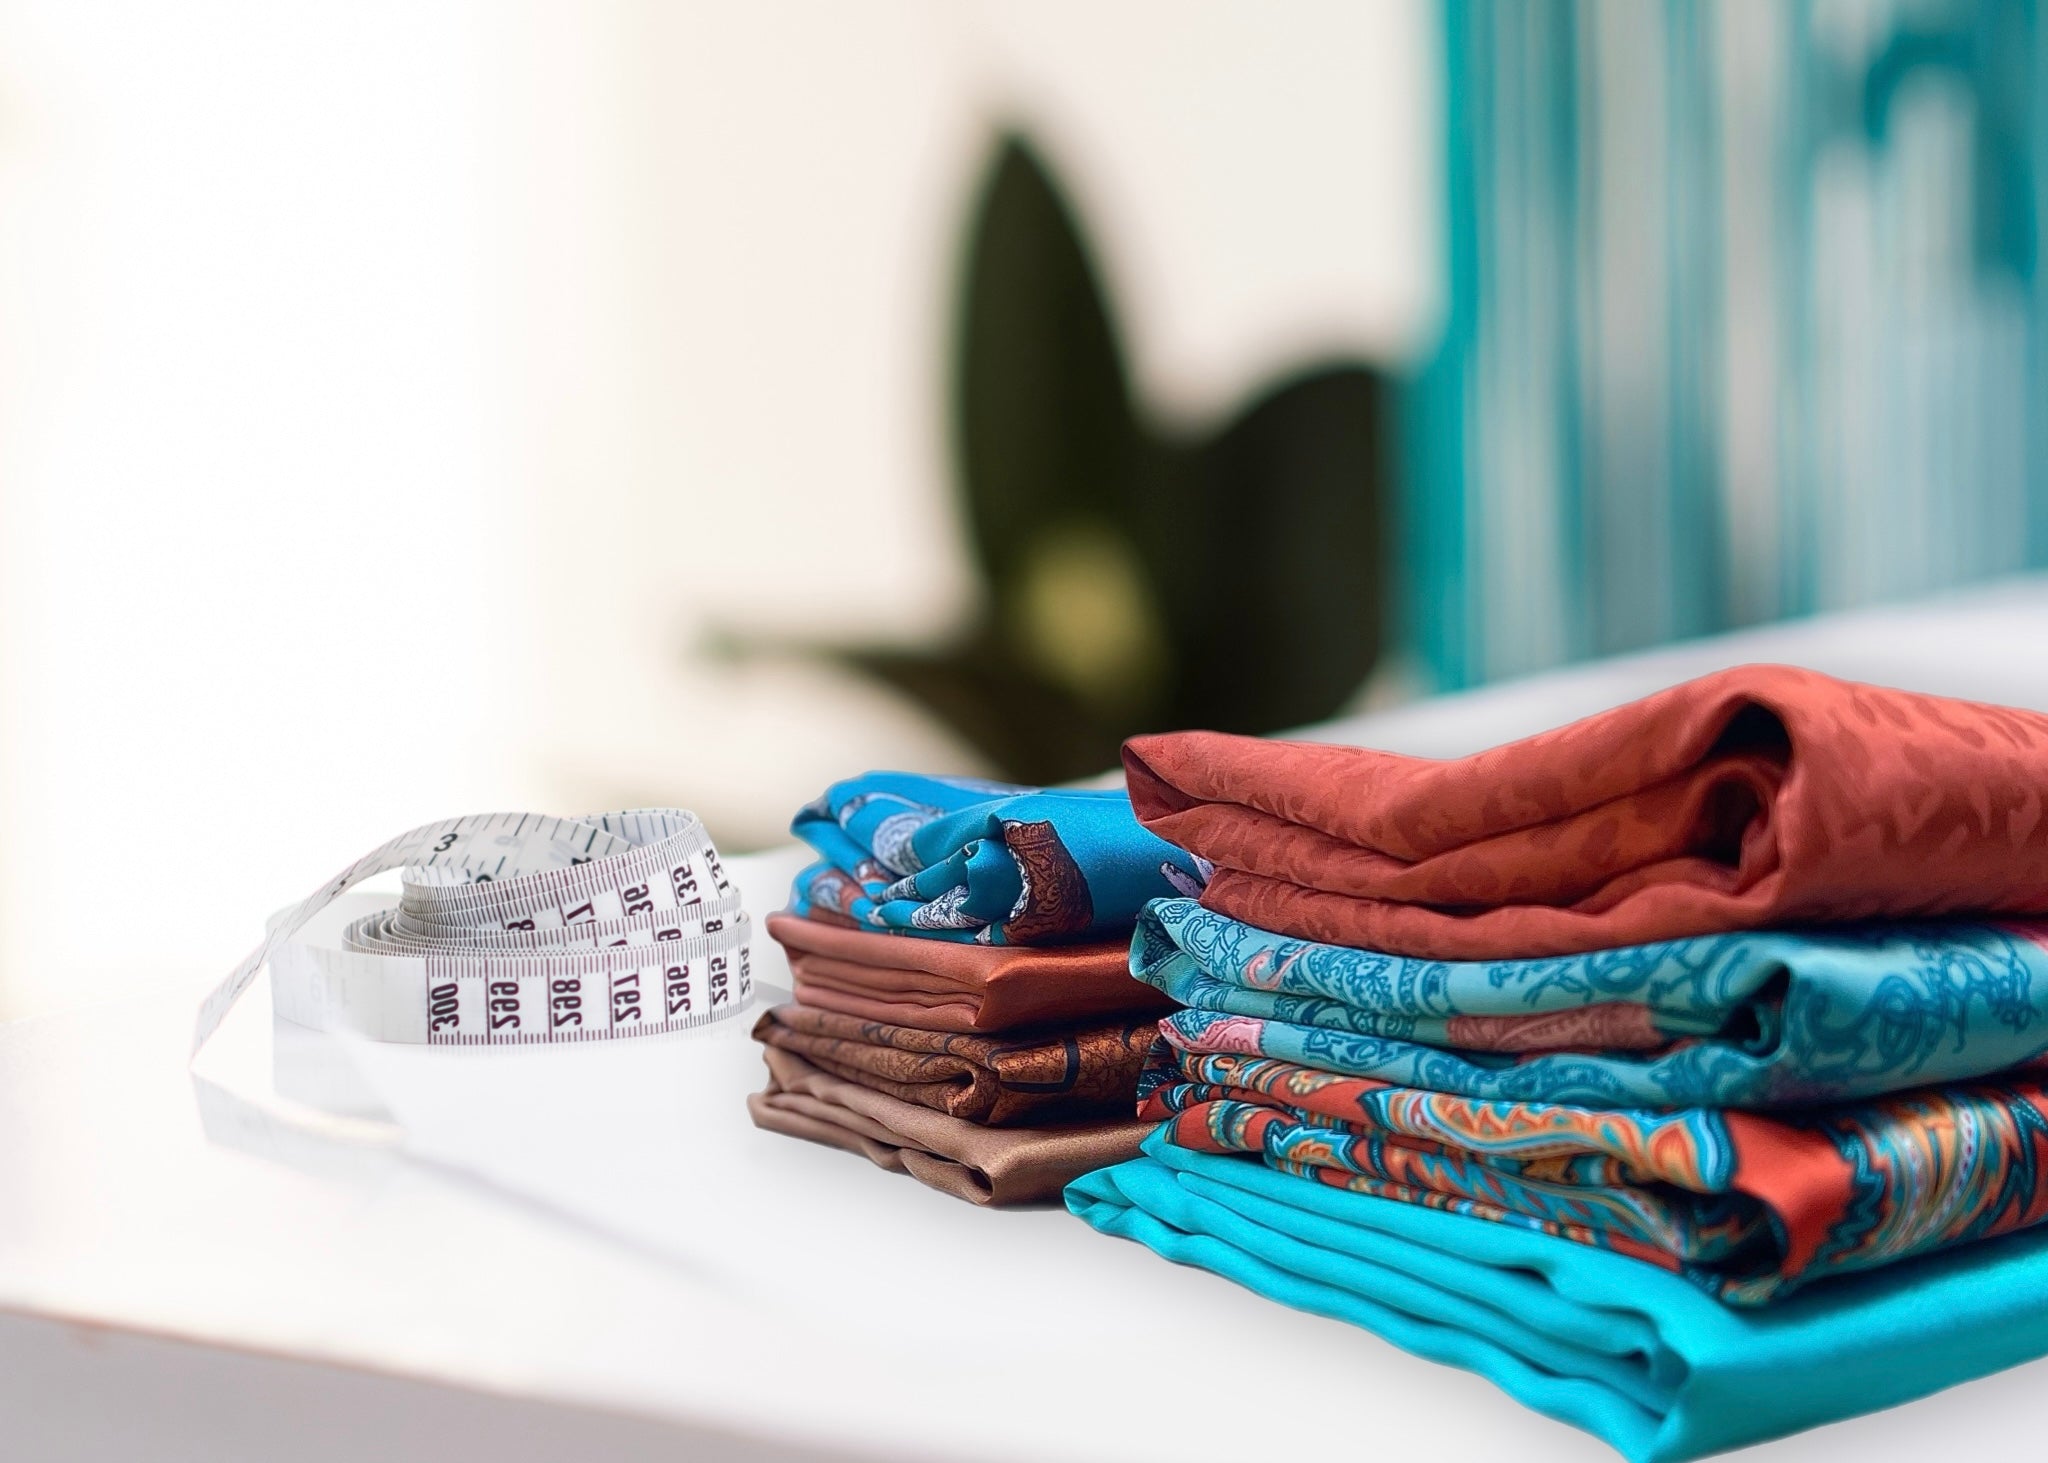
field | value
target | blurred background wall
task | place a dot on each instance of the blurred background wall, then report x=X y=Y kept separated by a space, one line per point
x=408 y=409
x=404 y=406
x=1744 y=321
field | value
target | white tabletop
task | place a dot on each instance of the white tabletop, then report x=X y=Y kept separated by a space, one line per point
x=538 y=1252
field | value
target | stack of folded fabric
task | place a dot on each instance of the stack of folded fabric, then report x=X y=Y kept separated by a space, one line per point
x=964 y=1009
x=1608 y=1063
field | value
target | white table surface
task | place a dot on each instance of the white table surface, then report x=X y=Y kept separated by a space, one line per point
x=590 y=1252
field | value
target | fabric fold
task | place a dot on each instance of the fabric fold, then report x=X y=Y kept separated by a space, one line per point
x=995 y=1166
x=1749 y=1208
x=1758 y=795
x=951 y=858
x=1023 y=1077
x=1754 y=1019
x=1643 y=1359
x=946 y=986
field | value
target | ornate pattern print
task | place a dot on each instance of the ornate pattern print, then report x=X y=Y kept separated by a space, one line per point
x=1746 y=1206
x=1939 y=1168
x=1771 y=1019
x=1054 y=902
x=958 y=859
x=1091 y=1071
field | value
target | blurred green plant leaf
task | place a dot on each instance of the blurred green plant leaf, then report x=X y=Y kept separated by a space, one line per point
x=1138 y=582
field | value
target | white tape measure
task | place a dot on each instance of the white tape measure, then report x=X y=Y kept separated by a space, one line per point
x=517 y=928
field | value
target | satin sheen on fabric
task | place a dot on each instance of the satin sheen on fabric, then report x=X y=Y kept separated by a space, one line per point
x=944 y=986
x=1753 y=1019
x=1642 y=1359
x=1747 y=1207
x=1754 y=796
x=947 y=858
x=1037 y=1077
x=994 y=1166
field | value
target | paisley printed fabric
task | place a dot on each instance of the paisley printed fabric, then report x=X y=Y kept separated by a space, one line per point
x=1642 y=1358
x=1747 y=1207
x=1754 y=1019
x=1091 y=1071
x=953 y=859
x=1763 y=795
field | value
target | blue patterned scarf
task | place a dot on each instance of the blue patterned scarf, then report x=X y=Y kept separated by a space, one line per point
x=955 y=859
x=1758 y=1019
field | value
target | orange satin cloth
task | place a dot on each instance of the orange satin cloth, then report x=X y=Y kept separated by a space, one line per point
x=1755 y=796
x=940 y=985
x=979 y=1164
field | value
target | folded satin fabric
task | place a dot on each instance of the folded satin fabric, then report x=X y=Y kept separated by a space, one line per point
x=943 y=986
x=1745 y=1206
x=1643 y=1359
x=954 y=859
x=981 y=1165
x=1755 y=796
x=1024 y=1077
x=1756 y=1019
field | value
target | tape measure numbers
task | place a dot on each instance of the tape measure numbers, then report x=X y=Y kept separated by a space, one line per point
x=516 y=928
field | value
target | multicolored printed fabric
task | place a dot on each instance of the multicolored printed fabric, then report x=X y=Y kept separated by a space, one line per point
x=1639 y=1357
x=1758 y=1019
x=1753 y=797
x=955 y=859
x=1746 y=1206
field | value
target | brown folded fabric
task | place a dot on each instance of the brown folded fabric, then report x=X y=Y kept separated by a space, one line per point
x=978 y=1164
x=1755 y=796
x=1091 y=1072
x=944 y=985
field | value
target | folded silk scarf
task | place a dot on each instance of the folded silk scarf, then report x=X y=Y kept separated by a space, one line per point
x=1644 y=1359
x=943 y=986
x=978 y=1164
x=1023 y=1077
x=1761 y=795
x=953 y=859
x=1747 y=1207
x=1755 y=1019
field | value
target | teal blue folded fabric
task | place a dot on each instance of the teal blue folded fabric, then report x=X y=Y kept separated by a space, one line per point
x=1636 y=1356
x=954 y=858
x=1761 y=1018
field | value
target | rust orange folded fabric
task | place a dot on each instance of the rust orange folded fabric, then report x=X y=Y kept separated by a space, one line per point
x=1061 y=1075
x=994 y=1166
x=1756 y=796
x=945 y=986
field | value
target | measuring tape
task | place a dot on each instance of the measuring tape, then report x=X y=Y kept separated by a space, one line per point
x=514 y=928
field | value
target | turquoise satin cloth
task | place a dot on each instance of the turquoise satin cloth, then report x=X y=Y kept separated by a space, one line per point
x=954 y=858
x=1765 y=1018
x=1638 y=1357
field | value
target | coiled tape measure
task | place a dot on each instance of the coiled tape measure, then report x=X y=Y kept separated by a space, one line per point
x=513 y=928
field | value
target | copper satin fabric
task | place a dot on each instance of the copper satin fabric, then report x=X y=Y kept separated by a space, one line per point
x=1759 y=795
x=1090 y=1071
x=979 y=1164
x=943 y=986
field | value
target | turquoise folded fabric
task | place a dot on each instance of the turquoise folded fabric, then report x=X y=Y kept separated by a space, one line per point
x=953 y=858
x=1756 y=1019
x=1634 y=1355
